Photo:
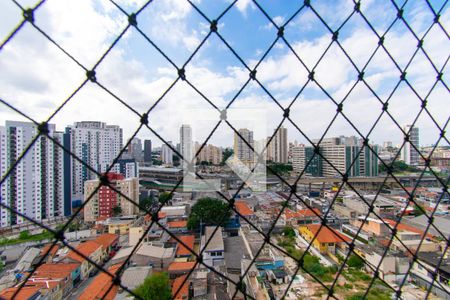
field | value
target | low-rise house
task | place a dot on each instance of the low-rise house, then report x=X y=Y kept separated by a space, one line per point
x=301 y=216
x=212 y=246
x=244 y=210
x=132 y=277
x=69 y=275
x=428 y=265
x=101 y=287
x=178 y=268
x=109 y=243
x=182 y=251
x=25 y=293
x=177 y=226
x=88 y=249
x=146 y=255
x=408 y=242
x=393 y=267
x=326 y=240
x=180 y=288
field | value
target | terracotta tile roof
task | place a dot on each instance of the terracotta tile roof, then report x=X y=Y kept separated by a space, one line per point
x=183 y=293
x=327 y=235
x=289 y=214
x=86 y=248
x=181 y=266
x=177 y=224
x=406 y=227
x=189 y=241
x=98 y=289
x=161 y=215
x=243 y=209
x=25 y=293
x=53 y=250
x=106 y=240
x=56 y=270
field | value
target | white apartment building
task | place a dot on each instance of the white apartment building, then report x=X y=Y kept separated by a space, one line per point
x=95 y=143
x=167 y=154
x=241 y=150
x=279 y=146
x=35 y=187
x=186 y=144
x=408 y=154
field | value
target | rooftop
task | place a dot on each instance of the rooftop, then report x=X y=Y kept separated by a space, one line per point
x=243 y=209
x=100 y=286
x=181 y=285
x=181 y=266
x=106 y=240
x=134 y=276
x=189 y=240
x=216 y=242
x=26 y=292
x=326 y=235
x=177 y=224
x=145 y=250
x=86 y=249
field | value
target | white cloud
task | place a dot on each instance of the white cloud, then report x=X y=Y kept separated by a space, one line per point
x=36 y=76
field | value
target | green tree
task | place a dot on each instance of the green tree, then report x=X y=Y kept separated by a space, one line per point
x=23 y=235
x=227 y=152
x=418 y=210
x=397 y=166
x=209 y=211
x=164 y=197
x=354 y=261
x=116 y=211
x=279 y=168
x=155 y=287
x=147 y=203
x=289 y=231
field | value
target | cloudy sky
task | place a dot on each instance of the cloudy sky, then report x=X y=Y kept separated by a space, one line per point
x=36 y=76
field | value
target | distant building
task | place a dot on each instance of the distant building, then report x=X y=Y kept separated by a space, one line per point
x=36 y=187
x=135 y=149
x=344 y=155
x=147 y=151
x=209 y=153
x=186 y=144
x=167 y=154
x=301 y=155
x=102 y=203
x=409 y=154
x=96 y=144
x=242 y=151
x=279 y=146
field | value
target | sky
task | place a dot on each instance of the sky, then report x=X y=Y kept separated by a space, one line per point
x=36 y=77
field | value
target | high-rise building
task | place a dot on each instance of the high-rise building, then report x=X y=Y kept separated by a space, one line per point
x=280 y=146
x=186 y=144
x=344 y=155
x=135 y=149
x=103 y=202
x=301 y=155
x=167 y=154
x=409 y=154
x=35 y=187
x=148 y=151
x=209 y=153
x=242 y=151
x=96 y=144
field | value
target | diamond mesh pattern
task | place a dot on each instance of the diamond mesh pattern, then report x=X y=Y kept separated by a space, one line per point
x=312 y=80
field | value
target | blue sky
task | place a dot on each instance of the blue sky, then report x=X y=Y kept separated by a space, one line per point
x=37 y=77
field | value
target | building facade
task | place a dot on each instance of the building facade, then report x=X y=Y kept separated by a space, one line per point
x=102 y=203
x=409 y=154
x=96 y=144
x=186 y=144
x=35 y=187
x=148 y=151
x=242 y=151
x=279 y=147
x=167 y=154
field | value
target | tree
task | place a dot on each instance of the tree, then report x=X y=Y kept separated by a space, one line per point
x=23 y=235
x=209 y=211
x=397 y=166
x=116 y=211
x=165 y=197
x=227 y=152
x=354 y=261
x=279 y=168
x=418 y=210
x=155 y=287
x=289 y=231
x=147 y=203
